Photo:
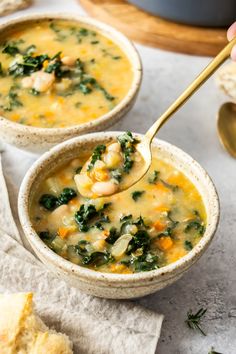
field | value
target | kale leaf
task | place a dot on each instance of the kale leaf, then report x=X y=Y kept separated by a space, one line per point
x=196 y=225
x=154 y=177
x=66 y=195
x=51 y=202
x=97 y=259
x=172 y=187
x=127 y=143
x=84 y=215
x=88 y=216
x=114 y=234
x=11 y=49
x=97 y=154
x=136 y=195
x=48 y=201
x=12 y=100
x=27 y=65
x=188 y=245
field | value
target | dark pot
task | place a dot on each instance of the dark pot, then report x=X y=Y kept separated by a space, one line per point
x=209 y=13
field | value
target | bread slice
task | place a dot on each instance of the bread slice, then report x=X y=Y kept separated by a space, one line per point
x=8 y=6
x=226 y=79
x=22 y=331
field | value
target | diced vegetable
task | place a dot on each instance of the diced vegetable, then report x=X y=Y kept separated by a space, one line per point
x=121 y=245
x=57 y=244
x=165 y=243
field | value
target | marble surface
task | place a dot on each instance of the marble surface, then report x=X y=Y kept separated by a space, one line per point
x=211 y=283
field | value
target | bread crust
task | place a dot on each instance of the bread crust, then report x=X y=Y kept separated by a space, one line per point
x=226 y=79
x=22 y=331
x=8 y=6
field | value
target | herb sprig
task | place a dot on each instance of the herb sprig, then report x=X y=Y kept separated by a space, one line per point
x=194 y=320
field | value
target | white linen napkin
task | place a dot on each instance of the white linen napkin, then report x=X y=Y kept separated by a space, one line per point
x=94 y=325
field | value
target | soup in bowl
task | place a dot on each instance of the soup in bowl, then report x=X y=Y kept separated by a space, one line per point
x=126 y=245
x=61 y=76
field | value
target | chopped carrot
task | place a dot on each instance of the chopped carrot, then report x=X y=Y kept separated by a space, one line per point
x=73 y=201
x=159 y=226
x=100 y=175
x=161 y=208
x=49 y=114
x=45 y=64
x=120 y=268
x=61 y=99
x=160 y=187
x=176 y=255
x=63 y=232
x=99 y=244
x=178 y=180
x=15 y=116
x=106 y=233
x=165 y=243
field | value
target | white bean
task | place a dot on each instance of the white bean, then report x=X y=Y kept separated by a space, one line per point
x=83 y=184
x=63 y=85
x=42 y=81
x=27 y=82
x=76 y=163
x=55 y=219
x=131 y=229
x=104 y=188
x=114 y=147
x=83 y=180
x=112 y=159
x=69 y=61
x=99 y=165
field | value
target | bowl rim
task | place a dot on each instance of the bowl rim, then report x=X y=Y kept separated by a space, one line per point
x=106 y=30
x=89 y=274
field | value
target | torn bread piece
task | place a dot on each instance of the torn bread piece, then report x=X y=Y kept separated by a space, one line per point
x=8 y=6
x=23 y=332
x=226 y=79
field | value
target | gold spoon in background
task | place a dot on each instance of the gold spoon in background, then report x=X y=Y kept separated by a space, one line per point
x=226 y=125
x=144 y=146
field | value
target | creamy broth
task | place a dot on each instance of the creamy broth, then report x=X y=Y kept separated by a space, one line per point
x=82 y=76
x=154 y=223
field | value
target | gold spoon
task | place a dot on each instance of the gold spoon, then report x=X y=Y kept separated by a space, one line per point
x=227 y=127
x=144 y=146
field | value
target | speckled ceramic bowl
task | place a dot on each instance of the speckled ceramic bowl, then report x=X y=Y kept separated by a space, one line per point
x=38 y=140
x=116 y=286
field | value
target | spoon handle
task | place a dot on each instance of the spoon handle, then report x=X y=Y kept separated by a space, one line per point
x=191 y=89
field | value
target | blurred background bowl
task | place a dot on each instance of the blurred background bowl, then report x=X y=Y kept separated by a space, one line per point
x=38 y=139
x=209 y=13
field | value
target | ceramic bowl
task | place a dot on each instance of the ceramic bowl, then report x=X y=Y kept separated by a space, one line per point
x=209 y=13
x=116 y=286
x=38 y=140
